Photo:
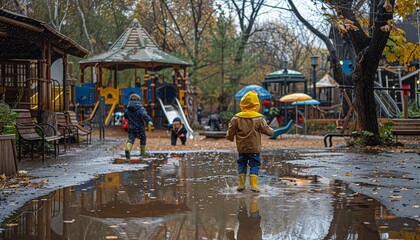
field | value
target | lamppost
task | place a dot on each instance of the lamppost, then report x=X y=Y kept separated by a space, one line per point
x=314 y=63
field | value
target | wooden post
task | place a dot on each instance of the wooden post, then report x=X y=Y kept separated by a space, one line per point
x=405 y=104
x=66 y=91
x=184 y=90
x=115 y=83
x=49 y=85
x=82 y=74
x=144 y=87
x=153 y=88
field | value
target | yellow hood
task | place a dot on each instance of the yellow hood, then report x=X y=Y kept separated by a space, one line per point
x=250 y=105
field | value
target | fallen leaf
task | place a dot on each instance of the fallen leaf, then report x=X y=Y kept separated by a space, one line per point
x=395 y=196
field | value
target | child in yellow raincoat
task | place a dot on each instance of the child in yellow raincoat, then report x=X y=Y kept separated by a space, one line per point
x=247 y=126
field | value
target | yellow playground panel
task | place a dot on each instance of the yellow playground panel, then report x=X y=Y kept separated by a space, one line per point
x=57 y=103
x=112 y=97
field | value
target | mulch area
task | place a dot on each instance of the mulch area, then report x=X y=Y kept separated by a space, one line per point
x=158 y=140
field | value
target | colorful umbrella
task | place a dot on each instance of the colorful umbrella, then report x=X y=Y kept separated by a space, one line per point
x=307 y=102
x=262 y=92
x=295 y=97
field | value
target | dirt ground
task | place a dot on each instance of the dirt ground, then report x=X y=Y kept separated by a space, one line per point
x=158 y=140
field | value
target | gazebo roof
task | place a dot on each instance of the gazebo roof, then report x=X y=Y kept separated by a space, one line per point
x=281 y=75
x=21 y=35
x=134 y=47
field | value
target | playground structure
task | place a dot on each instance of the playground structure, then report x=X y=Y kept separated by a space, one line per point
x=134 y=50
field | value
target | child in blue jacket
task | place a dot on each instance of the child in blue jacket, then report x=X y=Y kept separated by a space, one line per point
x=137 y=116
x=177 y=130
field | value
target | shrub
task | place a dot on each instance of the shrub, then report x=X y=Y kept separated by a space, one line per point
x=7 y=118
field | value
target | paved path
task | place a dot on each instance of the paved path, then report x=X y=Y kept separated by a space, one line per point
x=391 y=178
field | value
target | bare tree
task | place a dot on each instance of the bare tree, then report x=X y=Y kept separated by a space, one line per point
x=247 y=13
x=278 y=42
x=82 y=15
x=335 y=66
x=54 y=14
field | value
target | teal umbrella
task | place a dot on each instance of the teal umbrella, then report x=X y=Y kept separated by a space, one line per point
x=305 y=103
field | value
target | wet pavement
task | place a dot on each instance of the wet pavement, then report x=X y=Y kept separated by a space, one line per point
x=305 y=194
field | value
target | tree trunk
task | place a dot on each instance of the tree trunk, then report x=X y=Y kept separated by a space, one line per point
x=365 y=103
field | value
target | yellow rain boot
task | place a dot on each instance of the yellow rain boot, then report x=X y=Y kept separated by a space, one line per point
x=253 y=182
x=143 y=151
x=128 y=148
x=241 y=182
x=253 y=206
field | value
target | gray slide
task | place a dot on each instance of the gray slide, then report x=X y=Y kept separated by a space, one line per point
x=175 y=110
x=386 y=103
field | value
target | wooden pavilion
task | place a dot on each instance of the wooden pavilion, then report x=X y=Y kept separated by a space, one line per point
x=135 y=49
x=29 y=47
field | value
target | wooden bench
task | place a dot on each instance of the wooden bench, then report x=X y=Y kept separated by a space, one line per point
x=409 y=127
x=68 y=131
x=213 y=134
x=31 y=132
x=82 y=131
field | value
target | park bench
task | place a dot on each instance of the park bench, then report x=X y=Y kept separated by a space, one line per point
x=32 y=133
x=213 y=134
x=68 y=131
x=408 y=127
x=82 y=131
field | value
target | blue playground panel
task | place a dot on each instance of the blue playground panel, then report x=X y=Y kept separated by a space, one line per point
x=85 y=95
x=128 y=91
x=167 y=94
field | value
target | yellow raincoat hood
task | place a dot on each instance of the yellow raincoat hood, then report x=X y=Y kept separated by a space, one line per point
x=250 y=105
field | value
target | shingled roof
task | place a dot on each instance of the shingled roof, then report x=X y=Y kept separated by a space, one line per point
x=20 y=35
x=134 y=46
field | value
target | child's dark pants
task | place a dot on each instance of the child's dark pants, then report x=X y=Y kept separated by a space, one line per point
x=250 y=159
x=174 y=138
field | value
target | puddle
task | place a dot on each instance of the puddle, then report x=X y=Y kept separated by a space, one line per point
x=193 y=196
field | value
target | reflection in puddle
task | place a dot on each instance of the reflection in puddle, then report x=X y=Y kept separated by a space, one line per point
x=193 y=197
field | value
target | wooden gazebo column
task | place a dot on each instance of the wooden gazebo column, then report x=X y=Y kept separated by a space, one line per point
x=144 y=87
x=178 y=85
x=65 y=92
x=82 y=74
x=42 y=91
x=185 y=78
x=50 y=103
x=153 y=87
x=115 y=83
x=100 y=79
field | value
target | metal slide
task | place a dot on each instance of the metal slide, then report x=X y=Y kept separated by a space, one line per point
x=175 y=110
x=387 y=105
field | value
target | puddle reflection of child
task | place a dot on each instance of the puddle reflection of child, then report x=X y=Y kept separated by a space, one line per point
x=177 y=130
x=249 y=223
